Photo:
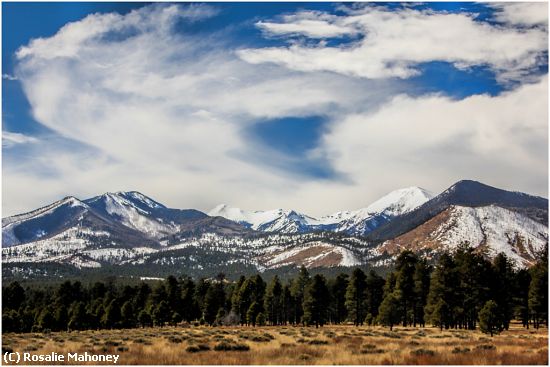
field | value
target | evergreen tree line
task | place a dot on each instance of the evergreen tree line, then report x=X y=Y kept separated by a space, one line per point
x=463 y=290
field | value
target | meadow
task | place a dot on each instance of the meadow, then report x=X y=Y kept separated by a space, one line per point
x=288 y=345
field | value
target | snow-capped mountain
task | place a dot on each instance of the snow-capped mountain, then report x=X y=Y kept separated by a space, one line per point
x=139 y=212
x=131 y=217
x=62 y=216
x=363 y=221
x=130 y=232
x=278 y=220
x=358 y=222
x=36 y=224
x=465 y=193
x=490 y=228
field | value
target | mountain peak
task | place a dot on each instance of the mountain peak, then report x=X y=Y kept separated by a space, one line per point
x=131 y=198
x=400 y=201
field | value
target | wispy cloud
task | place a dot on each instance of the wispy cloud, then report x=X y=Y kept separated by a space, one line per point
x=9 y=77
x=394 y=41
x=10 y=139
x=522 y=13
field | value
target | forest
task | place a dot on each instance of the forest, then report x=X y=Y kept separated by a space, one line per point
x=462 y=290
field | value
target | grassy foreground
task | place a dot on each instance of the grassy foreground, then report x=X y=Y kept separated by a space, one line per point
x=294 y=345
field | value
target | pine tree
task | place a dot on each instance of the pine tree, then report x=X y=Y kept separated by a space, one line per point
x=77 y=316
x=356 y=297
x=173 y=291
x=200 y=292
x=213 y=301
x=504 y=275
x=61 y=316
x=474 y=285
x=374 y=295
x=538 y=293
x=46 y=320
x=190 y=310
x=316 y=301
x=390 y=311
x=297 y=290
x=11 y=321
x=111 y=318
x=161 y=313
x=127 y=315
x=273 y=301
x=245 y=299
x=175 y=319
x=288 y=305
x=442 y=298
x=260 y=319
x=252 y=313
x=490 y=318
x=145 y=319
x=421 y=279
x=521 y=296
x=13 y=296
x=405 y=267
x=338 y=289
x=236 y=296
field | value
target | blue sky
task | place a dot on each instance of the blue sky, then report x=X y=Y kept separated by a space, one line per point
x=267 y=105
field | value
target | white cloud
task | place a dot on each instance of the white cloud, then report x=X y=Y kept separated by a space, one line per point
x=522 y=13
x=313 y=24
x=395 y=41
x=164 y=113
x=10 y=139
x=502 y=141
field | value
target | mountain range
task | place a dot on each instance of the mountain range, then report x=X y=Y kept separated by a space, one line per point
x=130 y=232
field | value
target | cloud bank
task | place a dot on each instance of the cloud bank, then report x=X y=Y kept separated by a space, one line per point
x=134 y=103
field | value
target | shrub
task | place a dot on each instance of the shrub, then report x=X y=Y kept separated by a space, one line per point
x=486 y=347
x=228 y=346
x=140 y=341
x=175 y=339
x=392 y=335
x=460 y=350
x=317 y=342
x=203 y=347
x=423 y=352
x=192 y=349
x=260 y=338
x=372 y=351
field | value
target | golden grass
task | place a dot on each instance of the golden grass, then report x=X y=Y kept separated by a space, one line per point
x=289 y=345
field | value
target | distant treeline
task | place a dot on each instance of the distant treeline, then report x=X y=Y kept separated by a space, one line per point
x=463 y=290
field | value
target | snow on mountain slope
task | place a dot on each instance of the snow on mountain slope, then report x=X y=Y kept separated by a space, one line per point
x=134 y=210
x=491 y=228
x=362 y=221
x=311 y=255
x=400 y=201
x=78 y=246
x=358 y=222
x=278 y=220
x=38 y=223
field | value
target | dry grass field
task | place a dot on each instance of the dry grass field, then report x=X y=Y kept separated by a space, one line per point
x=294 y=345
